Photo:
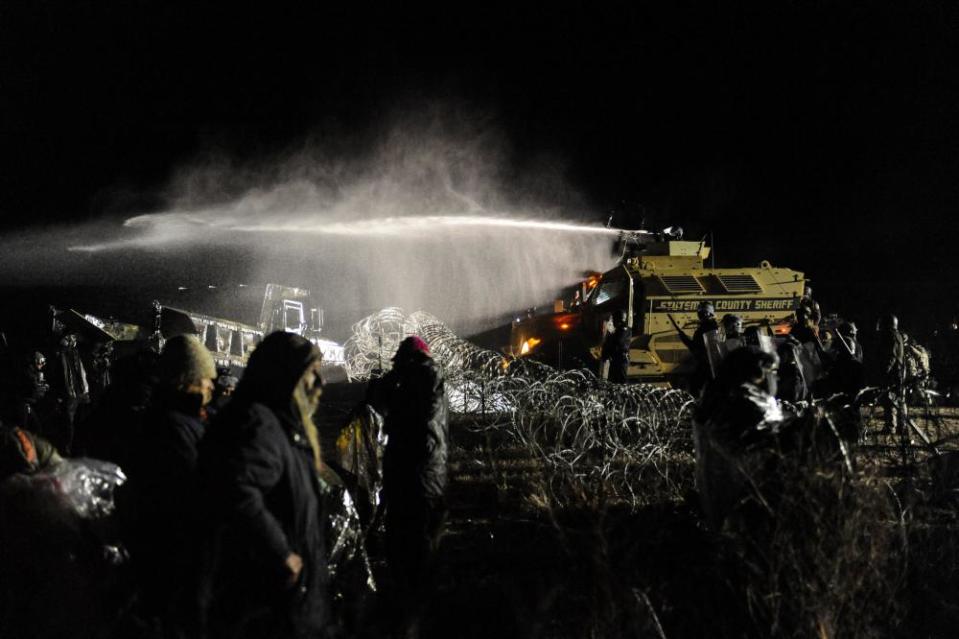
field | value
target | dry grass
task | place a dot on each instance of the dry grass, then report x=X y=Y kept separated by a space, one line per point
x=872 y=553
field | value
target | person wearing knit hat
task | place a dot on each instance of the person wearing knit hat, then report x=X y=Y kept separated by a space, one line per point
x=414 y=474
x=409 y=346
x=163 y=482
x=260 y=466
x=186 y=365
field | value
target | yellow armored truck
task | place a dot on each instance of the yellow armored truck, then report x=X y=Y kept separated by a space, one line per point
x=658 y=278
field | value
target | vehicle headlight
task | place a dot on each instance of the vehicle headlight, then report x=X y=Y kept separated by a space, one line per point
x=529 y=345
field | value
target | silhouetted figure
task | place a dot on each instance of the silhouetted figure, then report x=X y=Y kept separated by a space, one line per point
x=24 y=389
x=737 y=411
x=792 y=379
x=24 y=452
x=890 y=367
x=161 y=498
x=265 y=573
x=846 y=373
x=732 y=326
x=848 y=332
x=804 y=329
x=114 y=426
x=616 y=348
x=414 y=472
x=69 y=382
x=697 y=345
x=223 y=391
x=811 y=308
x=101 y=361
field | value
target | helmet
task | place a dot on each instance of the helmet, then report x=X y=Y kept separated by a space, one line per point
x=705 y=309
x=849 y=329
x=731 y=321
x=888 y=322
x=751 y=365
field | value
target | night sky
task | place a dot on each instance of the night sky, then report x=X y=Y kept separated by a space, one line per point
x=821 y=136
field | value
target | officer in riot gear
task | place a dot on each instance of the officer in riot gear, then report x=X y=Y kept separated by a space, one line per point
x=616 y=348
x=891 y=369
x=732 y=326
x=845 y=373
x=697 y=344
x=813 y=311
x=848 y=333
x=737 y=411
x=805 y=329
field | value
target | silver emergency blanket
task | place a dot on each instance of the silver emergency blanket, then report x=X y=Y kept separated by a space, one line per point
x=84 y=486
x=348 y=562
x=60 y=550
x=359 y=451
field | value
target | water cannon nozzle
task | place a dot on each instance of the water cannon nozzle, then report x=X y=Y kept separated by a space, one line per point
x=673 y=232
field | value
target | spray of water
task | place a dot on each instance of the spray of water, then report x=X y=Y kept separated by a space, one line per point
x=185 y=228
x=426 y=217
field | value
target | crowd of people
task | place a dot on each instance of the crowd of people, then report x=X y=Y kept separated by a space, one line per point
x=760 y=396
x=222 y=512
x=818 y=357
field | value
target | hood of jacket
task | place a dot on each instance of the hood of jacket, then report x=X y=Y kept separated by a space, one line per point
x=275 y=367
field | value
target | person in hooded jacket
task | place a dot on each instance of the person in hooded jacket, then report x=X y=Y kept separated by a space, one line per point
x=736 y=415
x=811 y=308
x=890 y=368
x=414 y=470
x=696 y=344
x=616 y=348
x=22 y=395
x=159 y=503
x=265 y=572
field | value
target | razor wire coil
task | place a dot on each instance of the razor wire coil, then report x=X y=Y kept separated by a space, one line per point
x=583 y=431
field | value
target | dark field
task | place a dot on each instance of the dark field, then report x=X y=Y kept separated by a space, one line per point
x=517 y=562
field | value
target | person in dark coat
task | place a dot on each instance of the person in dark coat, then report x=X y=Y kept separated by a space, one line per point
x=846 y=373
x=848 y=332
x=616 y=348
x=792 y=379
x=737 y=412
x=24 y=452
x=414 y=471
x=69 y=381
x=732 y=326
x=805 y=329
x=21 y=396
x=811 y=308
x=225 y=387
x=160 y=499
x=265 y=571
x=697 y=344
x=891 y=367
x=113 y=429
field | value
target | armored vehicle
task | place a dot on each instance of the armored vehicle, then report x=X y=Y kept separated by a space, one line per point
x=658 y=278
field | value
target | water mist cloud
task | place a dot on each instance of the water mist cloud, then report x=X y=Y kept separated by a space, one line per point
x=427 y=217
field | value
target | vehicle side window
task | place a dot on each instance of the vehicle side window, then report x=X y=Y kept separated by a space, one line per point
x=608 y=291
